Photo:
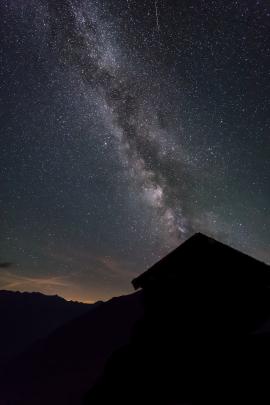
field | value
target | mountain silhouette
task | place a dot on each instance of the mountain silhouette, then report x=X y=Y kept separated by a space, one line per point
x=26 y=317
x=60 y=369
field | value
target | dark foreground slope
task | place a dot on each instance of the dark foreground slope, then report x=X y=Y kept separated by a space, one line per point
x=26 y=317
x=60 y=369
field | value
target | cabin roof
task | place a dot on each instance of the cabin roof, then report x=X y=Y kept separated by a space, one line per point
x=199 y=246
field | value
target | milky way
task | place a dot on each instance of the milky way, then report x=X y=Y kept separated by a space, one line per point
x=128 y=126
x=83 y=42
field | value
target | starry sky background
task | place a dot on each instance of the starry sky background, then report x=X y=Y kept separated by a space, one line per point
x=126 y=126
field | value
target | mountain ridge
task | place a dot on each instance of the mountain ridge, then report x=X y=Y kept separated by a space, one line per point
x=67 y=363
x=28 y=316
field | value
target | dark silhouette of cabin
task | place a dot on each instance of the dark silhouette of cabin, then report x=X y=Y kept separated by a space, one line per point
x=204 y=337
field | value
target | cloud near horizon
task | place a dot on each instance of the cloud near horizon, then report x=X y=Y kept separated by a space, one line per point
x=70 y=286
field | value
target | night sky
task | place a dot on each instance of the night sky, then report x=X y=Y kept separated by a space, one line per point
x=126 y=126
